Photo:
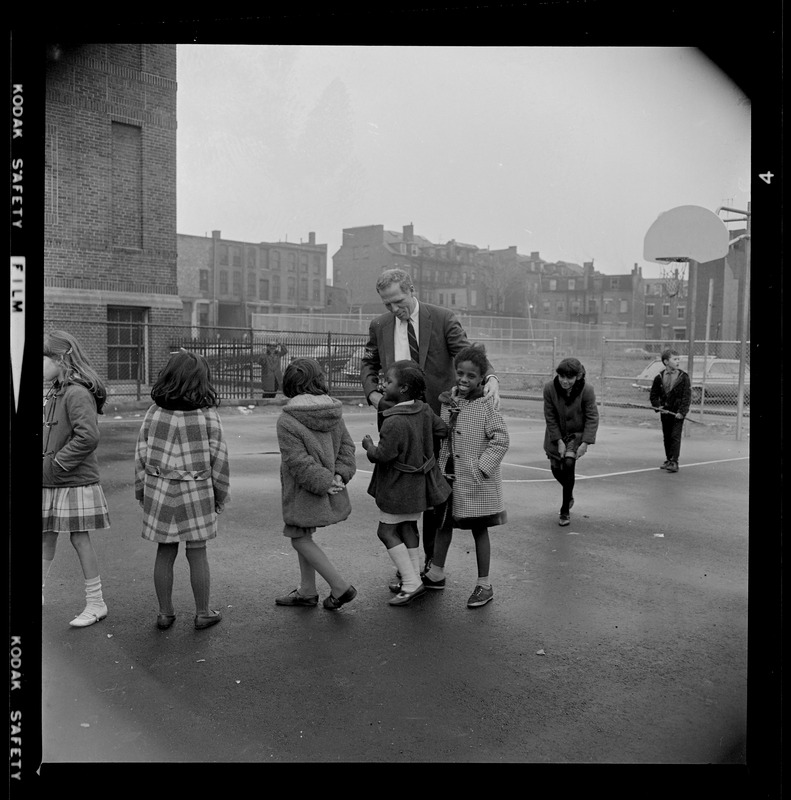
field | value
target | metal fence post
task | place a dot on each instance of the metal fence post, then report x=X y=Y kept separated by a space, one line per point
x=603 y=373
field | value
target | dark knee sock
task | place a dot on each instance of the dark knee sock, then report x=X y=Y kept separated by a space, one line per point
x=199 y=577
x=568 y=483
x=163 y=575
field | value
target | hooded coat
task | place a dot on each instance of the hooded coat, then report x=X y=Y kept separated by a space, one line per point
x=315 y=446
x=565 y=414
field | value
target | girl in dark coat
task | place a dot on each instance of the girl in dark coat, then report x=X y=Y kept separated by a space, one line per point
x=72 y=499
x=572 y=421
x=406 y=479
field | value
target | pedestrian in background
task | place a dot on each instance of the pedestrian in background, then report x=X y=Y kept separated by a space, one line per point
x=406 y=480
x=182 y=478
x=317 y=461
x=671 y=395
x=572 y=421
x=72 y=499
x=271 y=369
x=470 y=459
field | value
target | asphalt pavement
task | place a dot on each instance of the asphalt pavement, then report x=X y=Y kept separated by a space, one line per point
x=619 y=639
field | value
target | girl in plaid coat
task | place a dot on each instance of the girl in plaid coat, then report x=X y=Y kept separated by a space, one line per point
x=72 y=500
x=181 y=479
x=317 y=463
x=470 y=459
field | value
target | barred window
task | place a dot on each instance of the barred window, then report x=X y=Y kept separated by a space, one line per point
x=126 y=343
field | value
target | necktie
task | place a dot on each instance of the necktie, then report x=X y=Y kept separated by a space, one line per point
x=414 y=350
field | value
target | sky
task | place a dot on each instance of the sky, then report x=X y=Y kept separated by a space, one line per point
x=572 y=152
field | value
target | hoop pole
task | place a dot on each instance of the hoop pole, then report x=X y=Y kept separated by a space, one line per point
x=745 y=328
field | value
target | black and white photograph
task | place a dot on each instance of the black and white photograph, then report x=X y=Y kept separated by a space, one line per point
x=396 y=393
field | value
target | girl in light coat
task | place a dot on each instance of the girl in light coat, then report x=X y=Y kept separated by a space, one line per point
x=182 y=478
x=470 y=459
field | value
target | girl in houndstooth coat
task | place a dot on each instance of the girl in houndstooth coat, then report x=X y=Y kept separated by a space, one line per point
x=181 y=478
x=470 y=459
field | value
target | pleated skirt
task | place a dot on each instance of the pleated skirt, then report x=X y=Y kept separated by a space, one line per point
x=65 y=509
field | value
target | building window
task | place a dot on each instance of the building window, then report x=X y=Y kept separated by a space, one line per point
x=575 y=306
x=236 y=254
x=414 y=249
x=276 y=287
x=592 y=306
x=607 y=305
x=316 y=291
x=317 y=264
x=681 y=312
x=292 y=289
x=251 y=282
x=237 y=283
x=559 y=307
x=572 y=284
x=453 y=299
x=275 y=259
x=203 y=280
x=250 y=257
x=441 y=299
x=127 y=186
x=263 y=289
x=649 y=309
x=666 y=309
x=223 y=281
x=553 y=285
x=472 y=277
x=303 y=288
x=613 y=283
x=126 y=343
x=264 y=258
x=624 y=306
x=292 y=262
x=224 y=255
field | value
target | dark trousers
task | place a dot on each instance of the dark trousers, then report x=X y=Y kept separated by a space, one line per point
x=671 y=431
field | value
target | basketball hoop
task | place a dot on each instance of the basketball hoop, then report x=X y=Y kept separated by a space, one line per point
x=674 y=279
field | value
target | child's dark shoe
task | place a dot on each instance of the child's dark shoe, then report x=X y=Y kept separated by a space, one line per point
x=207 y=620
x=402 y=598
x=564 y=519
x=296 y=599
x=333 y=603
x=429 y=583
x=480 y=596
x=395 y=584
x=672 y=466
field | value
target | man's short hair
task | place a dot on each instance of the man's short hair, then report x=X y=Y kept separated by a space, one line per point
x=667 y=353
x=395 y=275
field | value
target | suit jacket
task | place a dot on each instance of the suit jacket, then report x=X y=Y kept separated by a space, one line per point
x=440 y=338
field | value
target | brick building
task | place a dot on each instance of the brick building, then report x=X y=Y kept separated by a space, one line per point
x=223 y=282
x=110 y=201
x=665 y=307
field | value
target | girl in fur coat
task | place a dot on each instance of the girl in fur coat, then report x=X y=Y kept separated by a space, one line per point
x=317 y=463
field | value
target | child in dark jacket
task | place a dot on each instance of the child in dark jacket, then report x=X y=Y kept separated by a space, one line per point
x=671 y=394
x=317 y=463
x=406 y=479
x=572 y=420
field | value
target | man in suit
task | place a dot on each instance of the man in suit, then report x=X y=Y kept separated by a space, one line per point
x=428 y=334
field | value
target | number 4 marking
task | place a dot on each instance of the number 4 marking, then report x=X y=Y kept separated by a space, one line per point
x=766 y=176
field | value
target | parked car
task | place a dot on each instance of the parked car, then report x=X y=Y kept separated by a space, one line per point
x=722 y=378
x=638 y=352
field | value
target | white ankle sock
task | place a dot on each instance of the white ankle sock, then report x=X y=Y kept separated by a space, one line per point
x=410 y=578
x=93 y=592
x=435 y=573
x=414 y=557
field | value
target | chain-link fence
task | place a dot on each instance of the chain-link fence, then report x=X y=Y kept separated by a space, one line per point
x=247 y=365
x=628 y=369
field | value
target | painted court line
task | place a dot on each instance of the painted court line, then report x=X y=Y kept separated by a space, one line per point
x=624 y=472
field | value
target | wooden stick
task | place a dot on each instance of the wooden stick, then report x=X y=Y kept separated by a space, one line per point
x=664 y=411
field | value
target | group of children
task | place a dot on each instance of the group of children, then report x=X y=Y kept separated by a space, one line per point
x=182 y=471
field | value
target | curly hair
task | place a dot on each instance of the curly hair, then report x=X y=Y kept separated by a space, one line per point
x=408 y=374
x=570 y=368
x=476 y=353
x=395 y=275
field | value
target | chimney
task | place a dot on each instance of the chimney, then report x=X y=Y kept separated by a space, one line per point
x=215 y=235
x=312 y=237
x=534 y=256
x=409 y=232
